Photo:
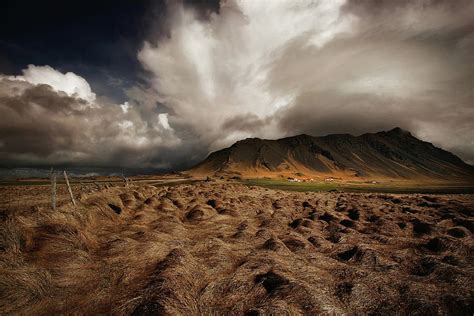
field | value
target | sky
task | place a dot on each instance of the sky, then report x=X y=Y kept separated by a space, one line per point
x=161 y=84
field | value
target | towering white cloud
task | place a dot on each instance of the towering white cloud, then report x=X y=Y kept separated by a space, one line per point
x=207 y=72
x=70 y=83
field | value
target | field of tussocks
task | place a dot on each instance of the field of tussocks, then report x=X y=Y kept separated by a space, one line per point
x=222 y=249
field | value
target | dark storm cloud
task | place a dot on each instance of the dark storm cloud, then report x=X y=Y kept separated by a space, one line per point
x=24 y=131
x=408 y=64
x=406 y=13
x=245 y=122
x=40 y=126
x=349 y=113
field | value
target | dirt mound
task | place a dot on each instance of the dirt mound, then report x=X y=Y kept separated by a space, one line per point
x=219 y=248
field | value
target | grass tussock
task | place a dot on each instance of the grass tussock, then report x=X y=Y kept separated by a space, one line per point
x=219 y=248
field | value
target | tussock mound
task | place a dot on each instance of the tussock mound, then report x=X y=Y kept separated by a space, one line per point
x=219 y=248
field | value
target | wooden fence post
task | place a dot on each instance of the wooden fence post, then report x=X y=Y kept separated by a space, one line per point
x=53 y=189
x=69 y=189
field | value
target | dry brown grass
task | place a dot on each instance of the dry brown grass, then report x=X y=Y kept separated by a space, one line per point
x=220 y=248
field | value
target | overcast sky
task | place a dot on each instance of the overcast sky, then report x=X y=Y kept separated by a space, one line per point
x=154 y=84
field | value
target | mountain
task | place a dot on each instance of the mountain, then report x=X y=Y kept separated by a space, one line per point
x=389 y=154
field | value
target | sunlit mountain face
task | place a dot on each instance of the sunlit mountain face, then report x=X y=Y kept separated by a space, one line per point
x=158 y=85
x=383 y=155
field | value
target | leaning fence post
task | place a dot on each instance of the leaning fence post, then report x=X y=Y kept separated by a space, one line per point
x=53 y=189
x=69 y=189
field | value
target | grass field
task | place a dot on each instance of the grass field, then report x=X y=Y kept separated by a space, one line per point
x=219 y=247
x=392 y=187
x=281 y=184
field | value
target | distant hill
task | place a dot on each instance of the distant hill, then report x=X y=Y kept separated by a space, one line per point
x=392 y=154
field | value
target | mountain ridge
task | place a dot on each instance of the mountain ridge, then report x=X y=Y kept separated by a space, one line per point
x=395 y=153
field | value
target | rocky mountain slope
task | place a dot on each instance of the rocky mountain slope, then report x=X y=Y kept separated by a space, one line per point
x=393 y=154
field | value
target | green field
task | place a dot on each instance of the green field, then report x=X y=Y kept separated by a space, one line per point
x=361 y=187
x=281 y=184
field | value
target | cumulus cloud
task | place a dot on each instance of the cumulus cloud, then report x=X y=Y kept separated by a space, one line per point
x=258 y=69
x=48 y=124
x=69 y=83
